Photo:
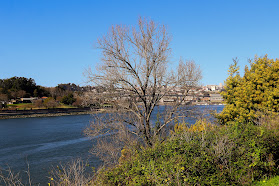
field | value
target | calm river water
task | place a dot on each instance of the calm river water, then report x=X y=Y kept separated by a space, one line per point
x=46 y=142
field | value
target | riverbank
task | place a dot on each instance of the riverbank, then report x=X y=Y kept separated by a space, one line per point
x=42 y=115
x=13 y=114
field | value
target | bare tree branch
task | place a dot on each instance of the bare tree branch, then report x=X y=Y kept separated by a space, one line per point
x=136 y=77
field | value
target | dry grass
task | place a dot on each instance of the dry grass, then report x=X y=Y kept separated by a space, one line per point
x=76 y=173
x=268 y=120
x=10 y=178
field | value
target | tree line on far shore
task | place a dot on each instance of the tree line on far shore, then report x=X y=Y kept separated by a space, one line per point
x=15 y=88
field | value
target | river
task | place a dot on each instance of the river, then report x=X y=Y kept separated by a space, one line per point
x=46 y=142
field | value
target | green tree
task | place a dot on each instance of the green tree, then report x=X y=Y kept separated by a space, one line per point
x=68 y=99
x=21 y=87
x=257 y=92
x=35 y=93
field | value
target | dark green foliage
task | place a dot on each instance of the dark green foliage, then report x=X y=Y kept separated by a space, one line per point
x=68 y=99
x=70 y=87
x=238 y=154
x=21 y=87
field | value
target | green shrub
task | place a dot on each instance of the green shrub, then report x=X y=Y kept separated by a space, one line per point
x=68 y=99
x=236 y=154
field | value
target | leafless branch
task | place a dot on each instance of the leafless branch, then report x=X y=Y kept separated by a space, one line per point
x=136 y=77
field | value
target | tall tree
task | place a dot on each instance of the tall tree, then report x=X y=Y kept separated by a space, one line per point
x=255 y=93
x=136 y=77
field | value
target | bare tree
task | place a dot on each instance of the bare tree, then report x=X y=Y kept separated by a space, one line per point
x=3 y=97
x=10 y=178
x=21 y=93
x=39 y=103
x=50 y=103
x=136 y=77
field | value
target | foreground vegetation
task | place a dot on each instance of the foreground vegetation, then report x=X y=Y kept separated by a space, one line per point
x=204 y=154
x=241 y=149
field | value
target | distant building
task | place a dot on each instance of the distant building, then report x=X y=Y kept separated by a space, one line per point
x=216 y=98
x=212 y=87
x=220 y=86
x=205 y=99
x=189 y=98
x=28 y=100
x=13 y=101
x=205 y=88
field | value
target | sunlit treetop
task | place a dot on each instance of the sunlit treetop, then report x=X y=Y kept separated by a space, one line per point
x=254 y=94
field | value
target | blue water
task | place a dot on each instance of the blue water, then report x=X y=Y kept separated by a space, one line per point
x=46 y=142
x=43 y=143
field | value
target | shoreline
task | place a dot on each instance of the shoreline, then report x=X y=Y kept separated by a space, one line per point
x=57 y=113
x=47 y=113
x=43 y=115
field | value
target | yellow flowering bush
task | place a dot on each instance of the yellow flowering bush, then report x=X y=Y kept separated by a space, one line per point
x=200 y=125
x=257 y=90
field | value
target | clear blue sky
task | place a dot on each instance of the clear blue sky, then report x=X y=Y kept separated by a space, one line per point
x=52 y=41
